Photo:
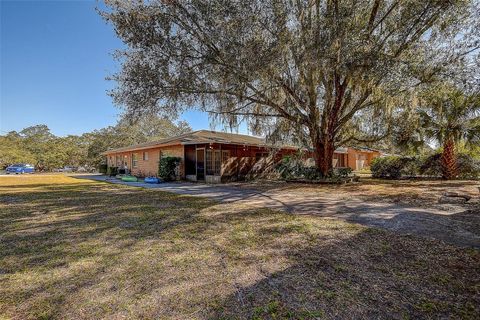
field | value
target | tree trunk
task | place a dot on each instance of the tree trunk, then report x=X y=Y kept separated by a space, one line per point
x=449 y=160
x=323 y=155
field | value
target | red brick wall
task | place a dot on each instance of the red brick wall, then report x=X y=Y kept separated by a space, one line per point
x=148 y=167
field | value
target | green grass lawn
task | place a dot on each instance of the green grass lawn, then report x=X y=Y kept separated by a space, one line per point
x=74 y=249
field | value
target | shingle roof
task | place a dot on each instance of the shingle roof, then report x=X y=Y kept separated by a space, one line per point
x=198 y=137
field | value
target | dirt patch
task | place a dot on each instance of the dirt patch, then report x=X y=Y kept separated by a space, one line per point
x=393 y=205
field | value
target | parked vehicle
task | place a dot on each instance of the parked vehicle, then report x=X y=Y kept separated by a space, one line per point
x=20 y=168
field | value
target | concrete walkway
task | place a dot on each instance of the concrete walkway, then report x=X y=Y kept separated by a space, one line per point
x=452 y=226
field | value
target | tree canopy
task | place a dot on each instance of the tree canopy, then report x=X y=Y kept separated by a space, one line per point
x=38 y=146
x=319 y=73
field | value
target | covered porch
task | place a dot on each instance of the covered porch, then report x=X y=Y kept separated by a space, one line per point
x=216 y=162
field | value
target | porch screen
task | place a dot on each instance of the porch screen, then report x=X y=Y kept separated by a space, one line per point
x=218 y=162
x=209 y=162
x=213 y=162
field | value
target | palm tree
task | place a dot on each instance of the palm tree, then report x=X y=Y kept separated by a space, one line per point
x=448 y=116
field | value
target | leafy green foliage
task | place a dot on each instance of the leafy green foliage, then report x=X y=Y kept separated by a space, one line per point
x=13 y=151
x=431 y=165
x=342 y=172
x=468 y=166
x=393 y=167
x=103 y=168
x=128 y=132
x=319 y=73
x=38 y=146
x=449 y=112
x=167 y=168
x=112 y=171
x=293 y=168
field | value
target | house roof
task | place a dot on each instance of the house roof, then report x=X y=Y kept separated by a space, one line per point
x=198 y=137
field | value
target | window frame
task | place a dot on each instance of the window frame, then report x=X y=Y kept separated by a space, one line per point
x=209 y=162
x=217 y=162
x=145 y=156
x=135 y=160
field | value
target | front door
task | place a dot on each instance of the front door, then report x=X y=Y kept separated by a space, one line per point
x=201 y=164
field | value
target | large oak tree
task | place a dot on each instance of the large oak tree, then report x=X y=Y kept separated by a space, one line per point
x=320 y=72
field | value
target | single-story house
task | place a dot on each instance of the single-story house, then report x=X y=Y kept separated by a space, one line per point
x=216 y=156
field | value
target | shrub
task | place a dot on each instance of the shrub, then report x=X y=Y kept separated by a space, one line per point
x=394 y=167
x=342 y=172
x=289 y=167
x=102 y=168
x=293 y=167
x=168 y=168
x=468 y=166
x=431 y=165
x=112 y=171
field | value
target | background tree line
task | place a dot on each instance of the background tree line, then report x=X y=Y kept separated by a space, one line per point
x=38 y=146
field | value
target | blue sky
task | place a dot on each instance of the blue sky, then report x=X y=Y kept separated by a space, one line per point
x=54 y=57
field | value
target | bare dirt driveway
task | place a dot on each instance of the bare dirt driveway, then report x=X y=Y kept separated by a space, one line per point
x=409 y=207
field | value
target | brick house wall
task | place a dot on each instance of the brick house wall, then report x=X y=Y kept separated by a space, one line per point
x=355 y=154
x=237 y=160
x=149 y=165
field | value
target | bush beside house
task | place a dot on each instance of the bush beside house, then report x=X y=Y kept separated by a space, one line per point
x=394 y=167
x=112 y=171
x=168 y=168
x=294 y=168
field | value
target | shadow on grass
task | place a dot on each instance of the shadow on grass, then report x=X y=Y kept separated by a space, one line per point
x=371 y=275
x=98 y=250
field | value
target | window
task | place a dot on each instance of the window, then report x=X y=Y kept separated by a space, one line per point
x=134 y=160
x=145 y=156
x=217 y=162
x=213 y=161
x=225 y=155
x=125 y=160
x=118 y=161
x=209 y=162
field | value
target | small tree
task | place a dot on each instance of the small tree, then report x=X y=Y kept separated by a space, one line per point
x=449 y=116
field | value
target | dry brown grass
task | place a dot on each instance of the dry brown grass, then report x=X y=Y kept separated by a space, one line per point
x=416 y=192
x=74 y=249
